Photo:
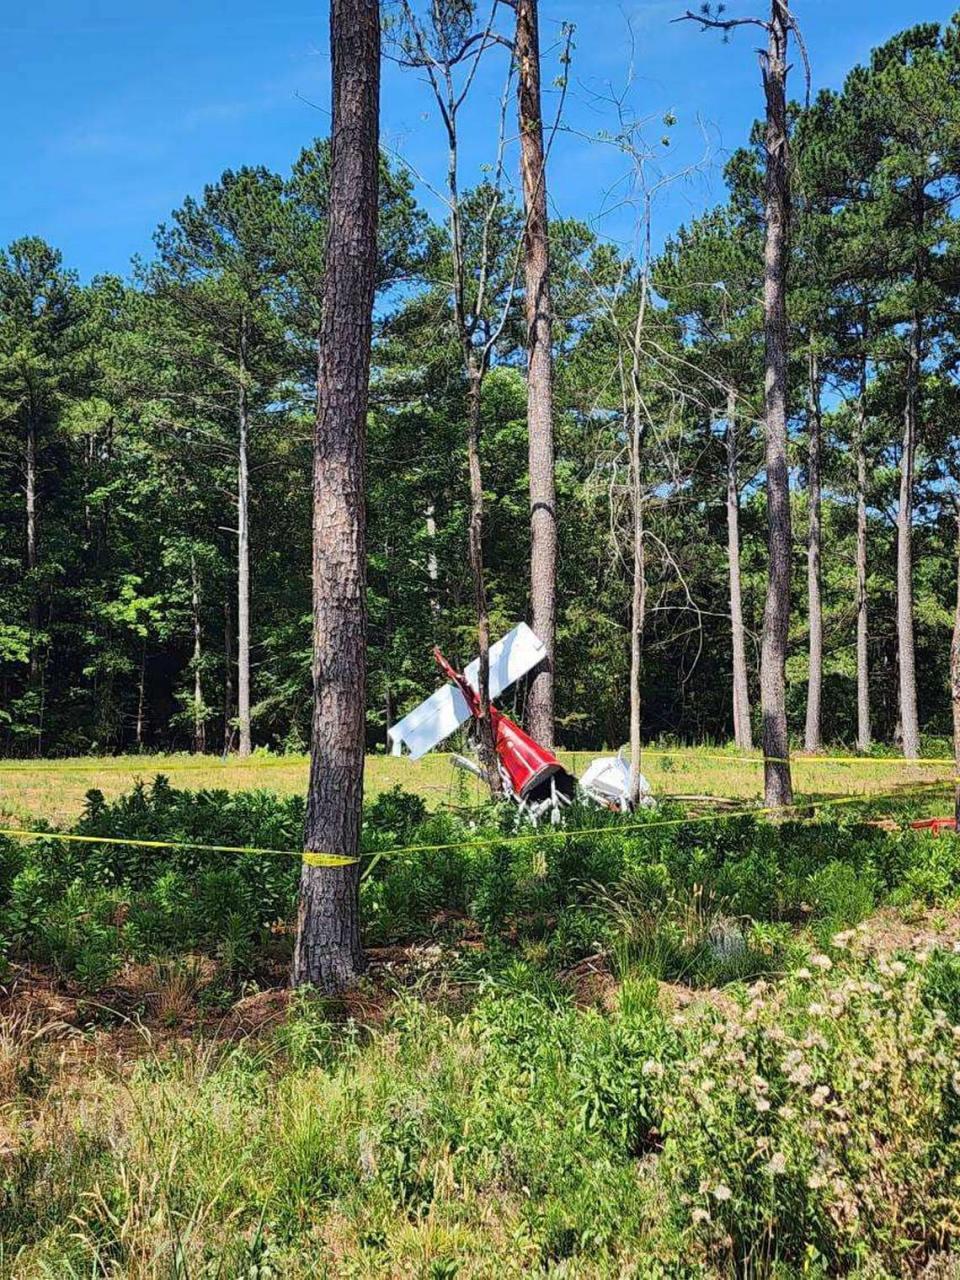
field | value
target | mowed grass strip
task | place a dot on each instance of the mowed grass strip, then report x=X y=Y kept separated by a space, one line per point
x=54 y=790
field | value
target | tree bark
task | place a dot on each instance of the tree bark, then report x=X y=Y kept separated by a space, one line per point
x=909 y=720
x=638 y=609
x=33 y=616
x=539 y=318
x=328 y=952
x=742 y=733
x=243 y=553
x=227 y=675
x=199 y=724
x=955 y=683
x=863 y=659
x=485 y=746
x=813 y=735
x=141 y=696
x=433 y=564
x=778 y=785
x=474 y=368
x=638 y=604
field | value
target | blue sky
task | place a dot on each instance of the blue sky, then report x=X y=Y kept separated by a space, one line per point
x=114 y=110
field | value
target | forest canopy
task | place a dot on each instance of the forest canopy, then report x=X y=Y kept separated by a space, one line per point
x=155 y=448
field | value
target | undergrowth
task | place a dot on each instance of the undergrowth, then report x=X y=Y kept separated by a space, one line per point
x=807 y=1128
x=703 y=903
x=800 y=1117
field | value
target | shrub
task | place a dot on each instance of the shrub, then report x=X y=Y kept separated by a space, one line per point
x=807 y=1127
x=699 y=903
x=841 y=894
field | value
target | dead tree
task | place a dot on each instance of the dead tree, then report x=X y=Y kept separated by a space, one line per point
x=638 y=603
x=539 y=318
x=778 y=784
x=651 y=388
x=742 y=732
x=813 y=733
x=328 y=951
x=439 y=46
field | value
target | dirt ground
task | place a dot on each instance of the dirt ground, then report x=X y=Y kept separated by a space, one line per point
x=152 y=1009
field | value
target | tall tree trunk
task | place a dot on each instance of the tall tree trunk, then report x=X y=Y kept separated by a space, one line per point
x=778 y=785
x=141 y=696
x=33 y=616
x=243 y=553
x=742 y=733
x=909 y=720
x=474 y=368
x=863 y=658
x=328 y=952
x=199 y=722
x=539 y=317
x=638 y=604
x=433 y=564
x=955 y=683
x=485 y=747
x=638 y=608
x=813 y=736
x=227 y=675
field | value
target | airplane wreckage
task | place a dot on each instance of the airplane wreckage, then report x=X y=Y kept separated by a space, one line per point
x=531 y=775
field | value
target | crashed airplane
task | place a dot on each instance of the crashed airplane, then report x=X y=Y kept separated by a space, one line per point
x=532 y=776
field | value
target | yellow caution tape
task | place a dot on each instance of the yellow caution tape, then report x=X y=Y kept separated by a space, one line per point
x=313 y=858
x=16 y=833
x=920 y=789
x=297 y=762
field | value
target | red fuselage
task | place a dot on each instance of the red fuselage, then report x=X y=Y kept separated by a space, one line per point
x=525 y=763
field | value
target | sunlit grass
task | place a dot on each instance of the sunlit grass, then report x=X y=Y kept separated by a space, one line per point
x=54 y=790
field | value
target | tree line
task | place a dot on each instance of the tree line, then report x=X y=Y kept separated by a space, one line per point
x=157 y=436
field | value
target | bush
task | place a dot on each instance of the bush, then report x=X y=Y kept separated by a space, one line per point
x=699 y=903
x=809 y=1127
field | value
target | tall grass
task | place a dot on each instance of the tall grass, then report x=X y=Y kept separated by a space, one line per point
x=761 y=1087
x=808 y=1128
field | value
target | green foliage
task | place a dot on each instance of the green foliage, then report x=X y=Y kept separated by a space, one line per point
x=118 y=635
x=524 y=1135
x=705 y=1135
x=703 y=904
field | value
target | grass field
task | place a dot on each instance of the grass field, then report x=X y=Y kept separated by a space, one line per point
x=54 y=790
x=641 y=1051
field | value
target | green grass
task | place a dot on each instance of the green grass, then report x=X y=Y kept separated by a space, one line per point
x=651 y=1050
x=807 y=1128
x=55 y=789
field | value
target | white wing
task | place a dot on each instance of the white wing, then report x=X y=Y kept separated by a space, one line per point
x=431 y=722
x=446 y=710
